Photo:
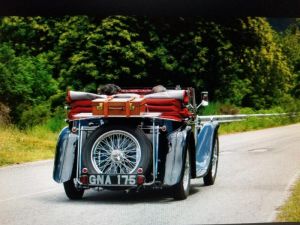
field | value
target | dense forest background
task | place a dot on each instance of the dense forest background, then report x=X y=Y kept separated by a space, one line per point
x=243 y=62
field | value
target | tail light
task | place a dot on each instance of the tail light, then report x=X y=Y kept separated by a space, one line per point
x=140 y=179
x=84 y=179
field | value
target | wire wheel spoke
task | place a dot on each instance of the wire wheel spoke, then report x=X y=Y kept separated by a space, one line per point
x=127 y=168
x=128 y=150
x=107 y=163
x=133 y=158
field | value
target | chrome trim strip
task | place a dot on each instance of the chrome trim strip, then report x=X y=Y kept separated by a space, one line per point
x=154 y=145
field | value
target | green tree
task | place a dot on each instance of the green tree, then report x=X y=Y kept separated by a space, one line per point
x=262 y=64
x=290 y=40
x=238 y=61
x=95 y=51
x=25 y=80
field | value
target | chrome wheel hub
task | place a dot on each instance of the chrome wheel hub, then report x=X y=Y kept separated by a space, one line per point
x=117 y=155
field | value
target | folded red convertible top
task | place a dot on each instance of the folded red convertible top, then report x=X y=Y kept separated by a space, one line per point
x=171 y=103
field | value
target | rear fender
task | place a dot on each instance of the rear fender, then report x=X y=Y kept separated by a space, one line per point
x=64 y=156
x=177 y=146
x=204 y=147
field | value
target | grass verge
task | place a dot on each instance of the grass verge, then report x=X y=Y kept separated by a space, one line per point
x=25 y=146
x=255 y=123
x=290 y=211
x=39 y=142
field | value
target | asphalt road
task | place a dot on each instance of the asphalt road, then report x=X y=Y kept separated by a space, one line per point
x=255 y=171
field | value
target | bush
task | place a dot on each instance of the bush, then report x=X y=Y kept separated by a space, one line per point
x=4 y=114
x=57 y=121
x=212 y=109
x=57 y=100
x=34 y=115
x=215 y=108
x=25 y=80
x=229 y=109
x=247 y=110
x=290 y=104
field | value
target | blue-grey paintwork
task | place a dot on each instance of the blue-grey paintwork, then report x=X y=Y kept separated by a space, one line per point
x=177 y=142
x=65 y=155
x=177 y=145
x=204 y=147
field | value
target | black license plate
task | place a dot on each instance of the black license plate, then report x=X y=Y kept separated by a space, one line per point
x=112 y=180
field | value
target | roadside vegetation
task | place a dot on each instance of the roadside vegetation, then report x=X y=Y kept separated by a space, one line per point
x=253 y=123
x=290 y=211
x=256 y=124
x=30 y=144
x=18 y=146
x=240 y=61
x=38 y=142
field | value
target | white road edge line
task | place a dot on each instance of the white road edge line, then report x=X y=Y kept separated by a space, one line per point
x=26 y=164
x=29 y=195
x=285 y=196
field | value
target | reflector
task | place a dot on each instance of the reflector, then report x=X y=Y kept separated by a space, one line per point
x=84 y=170
x=140 y=179
x=140 y=170
x=84 y=179
x=74 y=129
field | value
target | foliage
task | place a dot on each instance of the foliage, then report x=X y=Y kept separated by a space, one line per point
x=25 y=80
x=34 y=115
x=57 y=120
x=229 y=109
x=213 y=108
x=242 y=62
x=264 y=75
x=290 y=41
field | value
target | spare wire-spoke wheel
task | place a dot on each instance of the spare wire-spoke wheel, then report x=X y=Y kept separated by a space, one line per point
x=115 y=152
x=116 y=149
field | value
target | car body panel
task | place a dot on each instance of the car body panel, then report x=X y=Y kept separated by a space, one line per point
x=177 y=145
x=204 y=147
x=64 y=156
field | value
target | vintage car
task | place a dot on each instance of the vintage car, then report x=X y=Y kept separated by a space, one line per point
x=135 y=139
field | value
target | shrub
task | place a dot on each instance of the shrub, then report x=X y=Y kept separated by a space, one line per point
x=34 y=115
x=4 y=114
x=57 y=121
x=212 y=109
x=228 y=109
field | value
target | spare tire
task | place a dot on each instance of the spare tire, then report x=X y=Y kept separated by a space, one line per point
x=117 y=149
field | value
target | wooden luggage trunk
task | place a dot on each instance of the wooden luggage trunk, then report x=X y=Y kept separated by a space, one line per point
x=118 y=106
